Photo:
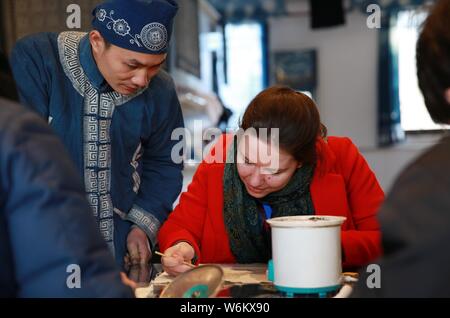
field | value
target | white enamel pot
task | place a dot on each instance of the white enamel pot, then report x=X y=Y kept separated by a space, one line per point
x=306 y=253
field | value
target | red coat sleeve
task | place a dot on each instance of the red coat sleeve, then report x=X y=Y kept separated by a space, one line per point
x=186 y=222
x=362 y=244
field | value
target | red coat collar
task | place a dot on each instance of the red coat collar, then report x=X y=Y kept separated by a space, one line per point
x=327 y=186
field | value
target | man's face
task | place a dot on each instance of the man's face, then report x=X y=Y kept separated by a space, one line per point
x=125 y=71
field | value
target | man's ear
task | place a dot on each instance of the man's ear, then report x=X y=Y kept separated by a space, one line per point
x=97 y=42
x=447 y=95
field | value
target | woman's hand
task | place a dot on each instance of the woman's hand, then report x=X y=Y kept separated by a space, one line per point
x=172 y=262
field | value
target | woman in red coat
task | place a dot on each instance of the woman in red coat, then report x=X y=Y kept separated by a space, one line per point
x=221 y=217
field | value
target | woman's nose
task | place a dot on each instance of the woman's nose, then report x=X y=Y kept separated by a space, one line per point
x=256 y=179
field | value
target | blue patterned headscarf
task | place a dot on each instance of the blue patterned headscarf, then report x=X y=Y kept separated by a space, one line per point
x=143 y=26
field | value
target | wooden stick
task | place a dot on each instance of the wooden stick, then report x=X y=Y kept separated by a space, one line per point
x=184 y=262
x=351 y=274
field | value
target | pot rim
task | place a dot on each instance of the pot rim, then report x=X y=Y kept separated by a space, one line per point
x=306 y=221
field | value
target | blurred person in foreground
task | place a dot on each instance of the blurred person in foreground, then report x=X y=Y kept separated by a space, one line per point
x=415 y=219
x=46 y=226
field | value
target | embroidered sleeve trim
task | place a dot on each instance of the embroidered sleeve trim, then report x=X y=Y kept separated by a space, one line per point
x=146 y=222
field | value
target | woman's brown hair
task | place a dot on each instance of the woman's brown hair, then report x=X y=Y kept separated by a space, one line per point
x=294 y=114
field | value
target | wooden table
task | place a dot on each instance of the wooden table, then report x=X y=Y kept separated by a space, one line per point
x=235 y=275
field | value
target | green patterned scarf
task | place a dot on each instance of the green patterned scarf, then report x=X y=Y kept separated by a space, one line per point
x=243 y=220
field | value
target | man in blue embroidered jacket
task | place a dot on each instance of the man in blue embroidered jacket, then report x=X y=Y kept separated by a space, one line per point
x=105 y=95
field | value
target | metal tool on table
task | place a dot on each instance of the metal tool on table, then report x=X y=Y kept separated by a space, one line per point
x=200 y=282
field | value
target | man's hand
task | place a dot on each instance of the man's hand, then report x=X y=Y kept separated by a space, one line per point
x=140 y=273
x=128 y=282
x=138 y=247
x=172 y=262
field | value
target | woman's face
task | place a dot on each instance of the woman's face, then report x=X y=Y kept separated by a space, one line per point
x=264 y=168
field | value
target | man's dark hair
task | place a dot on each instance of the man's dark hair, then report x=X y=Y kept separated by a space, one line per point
x=433 y=61
x=107 y=44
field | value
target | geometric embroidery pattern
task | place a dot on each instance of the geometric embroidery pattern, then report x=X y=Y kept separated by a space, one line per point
x=146 y=221
x=135 y=163
x=97 y=117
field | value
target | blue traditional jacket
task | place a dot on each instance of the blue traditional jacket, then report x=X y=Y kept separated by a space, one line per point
x=121 y=144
